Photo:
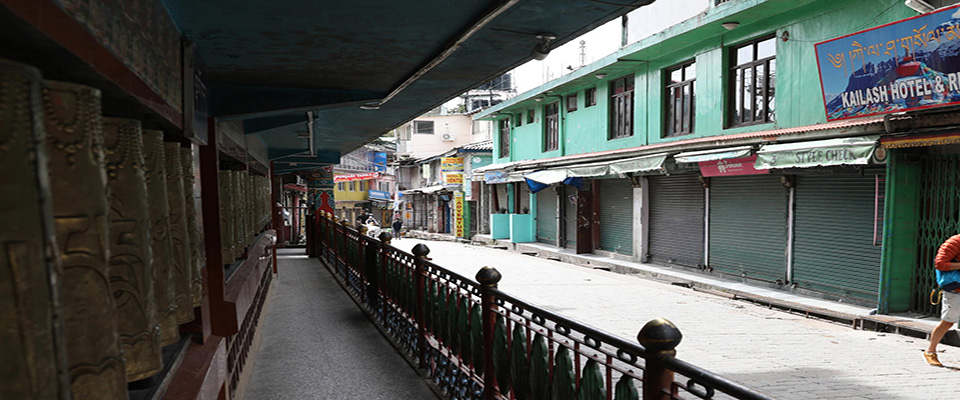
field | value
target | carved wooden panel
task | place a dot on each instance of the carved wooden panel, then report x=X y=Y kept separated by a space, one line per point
x=163 y=283
x=131 y=257
x=78 y=188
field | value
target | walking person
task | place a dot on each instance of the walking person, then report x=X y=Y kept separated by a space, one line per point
x=397 y=225
x=946 y=261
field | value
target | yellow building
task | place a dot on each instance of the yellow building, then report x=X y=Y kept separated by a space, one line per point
x=350 y=192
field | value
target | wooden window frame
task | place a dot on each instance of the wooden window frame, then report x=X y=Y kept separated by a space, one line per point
x=519 y=117
x=589 y=97
x=621 y=108
x=673 y=99
x=551 y=126
x=735 y=97
x=504 y=136
x=531 y=116
x=571 y=98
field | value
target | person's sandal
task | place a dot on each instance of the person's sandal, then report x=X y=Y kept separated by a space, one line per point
x=932 y=359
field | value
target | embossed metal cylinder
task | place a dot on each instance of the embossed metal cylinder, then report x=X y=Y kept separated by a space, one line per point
x=227 y=241
x=236 y=202
x=193 y=226
x=131 y=245
x=163 y=283
x=182 y=262
x=33 y=354
x=78 y=188
x=131 y=257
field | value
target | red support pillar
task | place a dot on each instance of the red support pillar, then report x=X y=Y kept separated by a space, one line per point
x=488 y=278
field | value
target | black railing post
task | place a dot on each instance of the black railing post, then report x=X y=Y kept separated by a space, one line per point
x=385 y=239
x=659 y=337
x=311 y=236
x=488 y=278
x=420 y=252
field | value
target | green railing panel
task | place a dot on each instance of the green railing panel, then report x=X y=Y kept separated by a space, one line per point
x=591 y=382
x=626 y=389
x=519 y=369
x=501 y=355
x=476 y=338
x=441 y=314
x=564 y=380
x=539 y=369
x=430 y=307
x=463 y=331
x=453 y=327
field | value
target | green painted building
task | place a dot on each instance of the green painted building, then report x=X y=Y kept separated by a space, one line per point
x=710 y=146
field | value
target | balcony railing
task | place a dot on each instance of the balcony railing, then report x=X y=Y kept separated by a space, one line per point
x=478 y=342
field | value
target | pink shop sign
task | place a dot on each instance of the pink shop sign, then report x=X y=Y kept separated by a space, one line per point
x=731 y=167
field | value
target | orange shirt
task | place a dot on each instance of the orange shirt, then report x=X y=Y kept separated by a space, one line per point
x=947 y=253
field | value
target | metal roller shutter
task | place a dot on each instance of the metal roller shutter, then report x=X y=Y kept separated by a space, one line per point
x=616 y=215
x=676 y=220
x=547 y=216
x=748 y=226
x=835 y=249
x=570 y=216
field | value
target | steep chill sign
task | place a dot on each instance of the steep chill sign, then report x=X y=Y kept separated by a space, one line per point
x=905 y=65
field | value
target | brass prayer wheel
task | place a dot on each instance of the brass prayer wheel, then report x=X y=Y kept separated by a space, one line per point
x=131 y=257
x=227 y=242
x=78 y=189
x=182 y=264
x=193 y=226
x=33 y=355
x=236 y=202
x=163 y=283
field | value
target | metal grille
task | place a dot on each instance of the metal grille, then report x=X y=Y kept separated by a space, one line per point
x=676 y=220
x=939 y=219
x=547 y=216
x=748 y=226
x=616 y=215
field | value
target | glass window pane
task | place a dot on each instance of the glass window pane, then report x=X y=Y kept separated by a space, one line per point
x=628 y=82
x=690 y=71
x=738 y=98
x=693 y=105
x=759 y=93
x=771 y=89
x=767 y=48
x=684 y=111
x=744 y=55
x=747 y=95
x=676 y=75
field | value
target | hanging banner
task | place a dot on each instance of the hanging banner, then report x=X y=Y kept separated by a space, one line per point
x=905 y=65
x=731 y=167
x=356 y=177
x=458 y=214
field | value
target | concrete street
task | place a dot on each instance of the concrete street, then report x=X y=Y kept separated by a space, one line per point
x=784 y=355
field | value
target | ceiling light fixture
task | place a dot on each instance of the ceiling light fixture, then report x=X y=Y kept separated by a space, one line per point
x=601 y=75
x=370 y=106
x=541 y=50
x=919 y=6
x=730 y=25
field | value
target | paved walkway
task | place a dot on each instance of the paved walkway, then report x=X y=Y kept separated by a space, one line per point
x=784 y=355
x=317 y=344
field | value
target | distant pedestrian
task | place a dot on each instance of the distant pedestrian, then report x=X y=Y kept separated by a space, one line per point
x=397 y=225
x=946 y=261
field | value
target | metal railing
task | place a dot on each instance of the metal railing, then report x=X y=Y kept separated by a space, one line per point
x=478 y=342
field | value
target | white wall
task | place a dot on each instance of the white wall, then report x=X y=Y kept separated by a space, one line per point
x=420 y=146
x=653 y=18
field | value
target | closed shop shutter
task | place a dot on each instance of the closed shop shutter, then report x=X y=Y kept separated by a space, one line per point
x=748 y=226
x=616 y=215
x=676 y=220
x=570 y=216
x=547 y=216
x=835 y=249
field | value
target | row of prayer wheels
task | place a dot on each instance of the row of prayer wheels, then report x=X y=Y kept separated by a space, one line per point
x=244 y=211
x=101 y=251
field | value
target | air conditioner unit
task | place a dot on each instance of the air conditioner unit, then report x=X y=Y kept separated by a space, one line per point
x=448 y=137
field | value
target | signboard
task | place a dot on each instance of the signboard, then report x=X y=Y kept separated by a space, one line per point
x=493 y=177
x=380 y=161
x=451 y=168
x=731 y=167
x=906 y=65
x=458 y=214
x=356 y=177
x=377 y=194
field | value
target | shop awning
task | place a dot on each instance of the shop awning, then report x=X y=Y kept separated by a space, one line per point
x=646 y=163
x=425 y=190
x=844 y=151
x=713 y=154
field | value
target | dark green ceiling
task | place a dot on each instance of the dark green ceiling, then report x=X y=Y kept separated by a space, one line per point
x=269 y=62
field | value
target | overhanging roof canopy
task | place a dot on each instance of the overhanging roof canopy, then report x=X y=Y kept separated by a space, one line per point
x=269 y=63
x=713 y=154
x=844 y=151
x=645 y=163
